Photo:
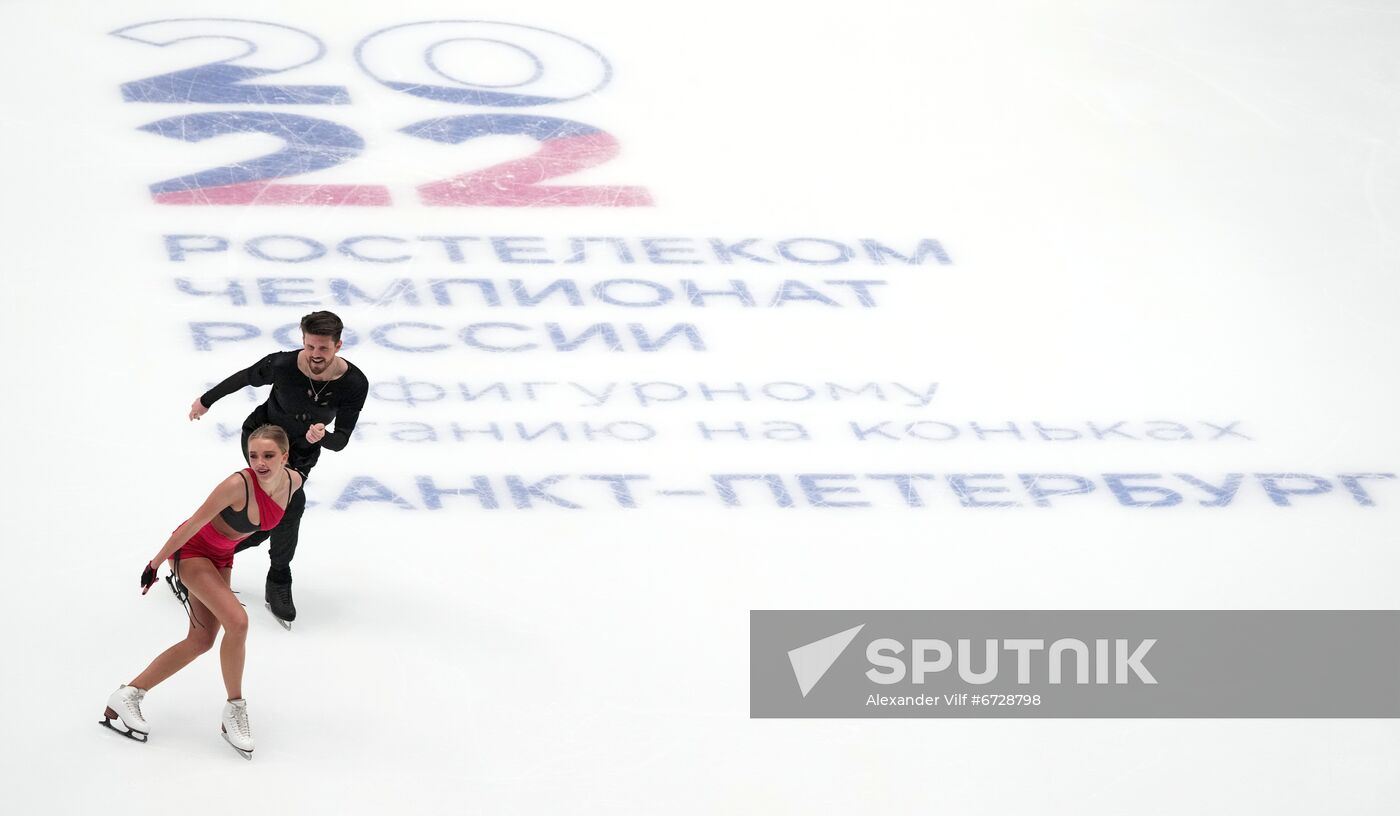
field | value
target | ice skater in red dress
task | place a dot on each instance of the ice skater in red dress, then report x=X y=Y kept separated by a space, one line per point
x=201 y=555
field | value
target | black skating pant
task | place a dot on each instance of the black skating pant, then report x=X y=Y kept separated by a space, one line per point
x=284 y=535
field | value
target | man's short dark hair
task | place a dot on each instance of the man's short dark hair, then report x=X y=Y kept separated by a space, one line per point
x=326 y=324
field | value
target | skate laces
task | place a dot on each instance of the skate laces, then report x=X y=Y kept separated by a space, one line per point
x=182 y=593
x=133 y=701
x=240 y=719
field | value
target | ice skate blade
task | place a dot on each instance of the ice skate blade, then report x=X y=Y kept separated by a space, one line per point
x=134 y=736
x=285 y=624
x=248 y=755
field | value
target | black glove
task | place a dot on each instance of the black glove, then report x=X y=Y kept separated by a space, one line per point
x=148 y=577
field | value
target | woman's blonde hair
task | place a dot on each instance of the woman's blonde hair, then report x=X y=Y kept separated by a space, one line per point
x=276 y=434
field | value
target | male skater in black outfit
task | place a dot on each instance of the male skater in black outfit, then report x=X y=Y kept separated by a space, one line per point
x=310 y=388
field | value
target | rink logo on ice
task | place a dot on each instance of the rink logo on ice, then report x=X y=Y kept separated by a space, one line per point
x=1005 y=663
x=487 y=67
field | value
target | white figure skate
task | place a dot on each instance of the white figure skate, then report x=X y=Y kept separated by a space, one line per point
x=124 y=706
x=236 y=729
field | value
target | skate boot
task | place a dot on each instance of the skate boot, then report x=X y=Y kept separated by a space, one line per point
x=124 y=706
x=279 y=601
x=235 y=727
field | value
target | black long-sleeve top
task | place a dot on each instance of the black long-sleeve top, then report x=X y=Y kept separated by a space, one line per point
x=291 y=404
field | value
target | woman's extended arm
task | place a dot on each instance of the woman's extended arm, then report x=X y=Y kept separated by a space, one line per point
x=222 y=496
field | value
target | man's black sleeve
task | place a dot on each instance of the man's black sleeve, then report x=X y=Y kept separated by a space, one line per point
x=259 y=373
x=345 y=418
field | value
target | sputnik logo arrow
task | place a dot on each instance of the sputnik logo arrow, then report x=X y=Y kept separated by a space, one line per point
x=811 y=662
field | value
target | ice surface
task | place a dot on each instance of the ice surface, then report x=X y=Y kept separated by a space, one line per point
x=1157 y=211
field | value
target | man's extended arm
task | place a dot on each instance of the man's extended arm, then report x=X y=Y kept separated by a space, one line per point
x=259 y=373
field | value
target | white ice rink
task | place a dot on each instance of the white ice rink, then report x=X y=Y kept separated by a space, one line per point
x=1152 y=212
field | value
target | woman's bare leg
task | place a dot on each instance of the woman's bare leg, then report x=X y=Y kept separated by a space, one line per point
x=198 y=640
x=211 y=586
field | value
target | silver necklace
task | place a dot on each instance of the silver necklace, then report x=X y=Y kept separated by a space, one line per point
x=313 y=390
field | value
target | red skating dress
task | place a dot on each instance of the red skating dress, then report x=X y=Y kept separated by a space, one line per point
x=210 y=543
